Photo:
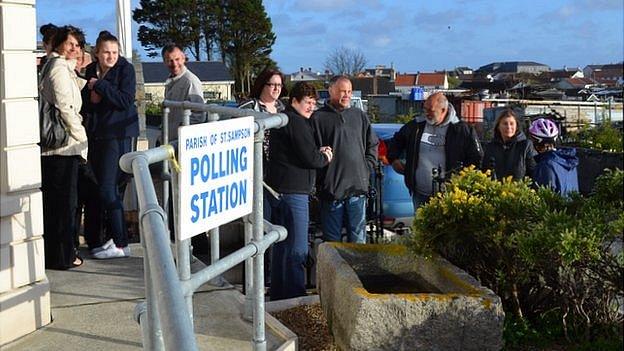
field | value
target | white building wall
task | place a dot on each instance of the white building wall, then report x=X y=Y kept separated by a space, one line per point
x=24 y=289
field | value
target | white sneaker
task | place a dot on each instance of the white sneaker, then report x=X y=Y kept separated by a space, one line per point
x=112 y=252
x=106 y=245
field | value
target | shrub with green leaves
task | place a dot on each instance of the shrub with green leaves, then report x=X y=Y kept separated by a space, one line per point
x=603 y=137
x=539 y=251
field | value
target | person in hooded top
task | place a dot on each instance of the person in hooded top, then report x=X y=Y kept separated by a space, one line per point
x=509 y=153
x=440 y=141
x=556 y=168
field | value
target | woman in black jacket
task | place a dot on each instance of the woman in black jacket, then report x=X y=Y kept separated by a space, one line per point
x=113 y=121
x=294 y=156
x=509 y=153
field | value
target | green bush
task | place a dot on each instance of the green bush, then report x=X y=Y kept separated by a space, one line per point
x=153 y=109
x=543 y=254
x=604 y=137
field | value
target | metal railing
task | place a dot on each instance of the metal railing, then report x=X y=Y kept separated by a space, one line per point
x=166 y=317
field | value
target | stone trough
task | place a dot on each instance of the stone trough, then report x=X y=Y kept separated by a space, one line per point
x=381 y=297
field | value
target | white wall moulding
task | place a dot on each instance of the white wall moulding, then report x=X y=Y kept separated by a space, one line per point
x=24 y=310
x=21 y=168
x=19 y=74
x=19 y=122
x=27 y=260
x=19 y=25
x=26 y=223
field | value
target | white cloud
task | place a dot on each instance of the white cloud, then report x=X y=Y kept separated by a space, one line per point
x=381 y=41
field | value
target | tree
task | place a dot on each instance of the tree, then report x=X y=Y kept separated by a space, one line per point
x=345 y=61
x=239 y=30
x=168 y=21
x=245 y=36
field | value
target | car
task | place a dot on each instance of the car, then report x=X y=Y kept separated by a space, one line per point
x=397 y=207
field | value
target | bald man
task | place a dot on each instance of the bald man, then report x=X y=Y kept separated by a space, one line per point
x=439 y=140
x=344 y=183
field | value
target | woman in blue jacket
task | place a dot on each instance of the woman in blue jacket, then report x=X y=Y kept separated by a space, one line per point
x=113 y=121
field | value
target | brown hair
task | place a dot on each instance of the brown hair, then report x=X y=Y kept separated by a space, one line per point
x=103 y=37
x=262 y=79
x=63 y=33
x=302 y=90
x=505 y=114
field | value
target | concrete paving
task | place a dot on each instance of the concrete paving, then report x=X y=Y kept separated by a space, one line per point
x=93 y=307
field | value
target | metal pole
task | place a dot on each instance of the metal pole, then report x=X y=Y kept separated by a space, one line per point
x=259 y=341
x=154 y=340
x=248 y=307
x=183 y=247
x=166 y=291
x=165 y=175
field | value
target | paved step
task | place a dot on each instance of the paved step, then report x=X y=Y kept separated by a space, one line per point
x=93 y=307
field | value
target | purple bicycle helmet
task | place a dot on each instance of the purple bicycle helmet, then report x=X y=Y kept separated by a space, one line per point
x=544 y=131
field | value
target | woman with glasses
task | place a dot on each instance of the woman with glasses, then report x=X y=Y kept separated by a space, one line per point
x=265 y=97
x=266 y=92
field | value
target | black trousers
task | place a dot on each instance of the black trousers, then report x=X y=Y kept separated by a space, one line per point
x=59 y=186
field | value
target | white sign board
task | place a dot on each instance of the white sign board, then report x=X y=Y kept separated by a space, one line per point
x=216 y=177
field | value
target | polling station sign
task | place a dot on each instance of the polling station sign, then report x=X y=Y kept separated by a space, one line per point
x=216 y=177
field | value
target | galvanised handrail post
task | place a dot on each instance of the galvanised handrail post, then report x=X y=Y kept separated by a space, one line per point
x=183 y=247
x=259 y=339
x=169 y=291
x=165 y=174
x=247 y=307
x=164 y=287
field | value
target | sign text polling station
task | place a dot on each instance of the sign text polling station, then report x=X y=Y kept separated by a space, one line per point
x=216 y=180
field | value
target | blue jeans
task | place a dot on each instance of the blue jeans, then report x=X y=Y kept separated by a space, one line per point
x=419 y=200
x=351 y=212
x=104 y=157
x=289 y=256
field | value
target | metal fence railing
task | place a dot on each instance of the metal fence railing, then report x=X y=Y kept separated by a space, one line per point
x=166 y=315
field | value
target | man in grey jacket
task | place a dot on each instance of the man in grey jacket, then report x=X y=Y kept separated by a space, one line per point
x=182 y=85
x=344 y=183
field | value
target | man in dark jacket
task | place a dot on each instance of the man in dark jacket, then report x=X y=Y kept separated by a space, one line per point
x=441 y=141
x=343 y=184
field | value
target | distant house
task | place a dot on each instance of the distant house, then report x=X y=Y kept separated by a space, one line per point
x=462 y=71
x=428 y=81
x=575 y=83
x=373 y=85
x=559 y=74
x=513 y=67
x=307 y=75
x=216 y=80
x=380 y=71
x=605 y=74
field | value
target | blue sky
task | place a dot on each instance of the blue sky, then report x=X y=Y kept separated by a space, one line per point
x=413 y=35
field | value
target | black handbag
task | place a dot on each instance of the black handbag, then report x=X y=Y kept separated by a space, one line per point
x=52 y=128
